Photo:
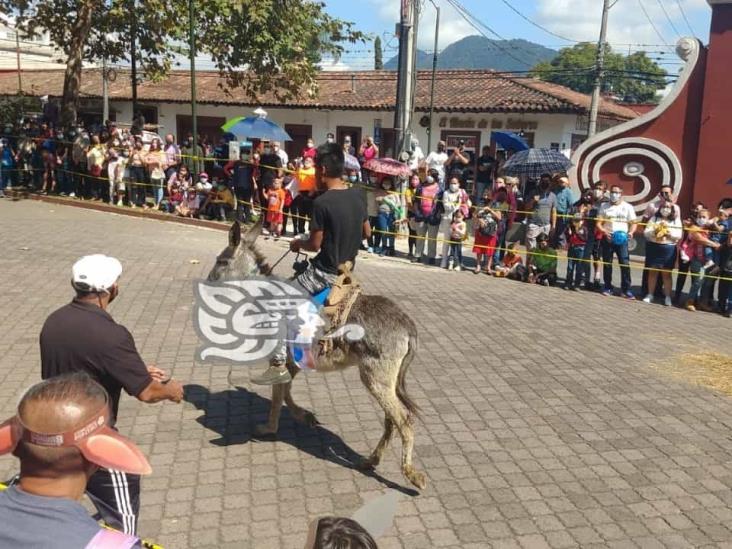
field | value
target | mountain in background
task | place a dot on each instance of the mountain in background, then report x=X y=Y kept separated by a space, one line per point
x=478 y=52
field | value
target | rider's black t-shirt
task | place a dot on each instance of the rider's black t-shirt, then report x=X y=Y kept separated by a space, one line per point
x=340 y=214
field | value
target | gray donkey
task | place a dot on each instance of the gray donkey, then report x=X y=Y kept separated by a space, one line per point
x=382 y=355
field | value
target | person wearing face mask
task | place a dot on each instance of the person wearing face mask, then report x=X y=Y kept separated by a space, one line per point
x=302 y=202
x=389 y=210
x=684 y=258
x=700 y=246
x=662 y=233
x=428 y=211
x=453 y=199
x=270 y=168
x=279 y=151
x=409 y=196
x=617 y=221
x=367 y=151
x=665 y=196
x=436 y=160
x=240 y=174
x=542 y=203
x=82 y=337
x=309 y=151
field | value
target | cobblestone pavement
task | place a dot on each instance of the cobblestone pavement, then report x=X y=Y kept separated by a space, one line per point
x=543 y=424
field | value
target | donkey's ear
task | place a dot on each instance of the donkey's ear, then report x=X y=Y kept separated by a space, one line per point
x=253 y=232
x=235 y=234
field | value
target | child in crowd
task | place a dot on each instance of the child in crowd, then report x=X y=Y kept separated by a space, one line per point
x=190 y=205
x=389 y=211
x=543 y=263
x=275 y=206
x=486 y=235
x=701 y=253
x=175 y=198
x=458 y=232
x=718 y=234
x=576 y=234
x=513 y=264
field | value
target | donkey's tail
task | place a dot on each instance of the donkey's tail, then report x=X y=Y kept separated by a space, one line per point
x=401 y=386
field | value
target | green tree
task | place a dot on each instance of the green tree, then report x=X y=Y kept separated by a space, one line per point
x=279 y=42
x=634 y=78
x=378 y=55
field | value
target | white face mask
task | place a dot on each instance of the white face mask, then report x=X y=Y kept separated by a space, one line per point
x=454 y=187
x=702 y=221
x=615 y=197
x=372 y=180
x=430 y=180
x=267 y=150
x=386 y=186
x=665 y=212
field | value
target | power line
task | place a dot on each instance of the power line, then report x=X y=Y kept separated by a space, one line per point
x=683 y=14
x=643 y=8
x=469 y=18
x=668 y=18
x=537 y=25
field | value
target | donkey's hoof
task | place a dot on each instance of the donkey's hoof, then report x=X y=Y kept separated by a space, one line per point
x=368 y=464
x=417 y=478
x=264 y=430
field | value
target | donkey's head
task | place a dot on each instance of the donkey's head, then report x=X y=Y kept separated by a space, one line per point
x=240 y=259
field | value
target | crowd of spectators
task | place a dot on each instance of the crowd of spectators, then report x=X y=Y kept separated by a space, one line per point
x=436 y=208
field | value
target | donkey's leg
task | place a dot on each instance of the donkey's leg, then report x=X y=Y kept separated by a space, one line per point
x=275 y=408
x=375 y=458
x=384 y=391
x=300 y=415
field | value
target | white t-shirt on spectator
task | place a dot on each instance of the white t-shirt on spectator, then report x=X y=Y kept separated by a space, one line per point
x=436 y=161
x=618 y=216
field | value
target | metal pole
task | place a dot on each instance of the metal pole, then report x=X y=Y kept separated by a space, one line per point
x=133 y=57
x=405 y=76
x=105 y=91
x=17 y=55
x=434 y=75
x=599 y=74
x=194 y=122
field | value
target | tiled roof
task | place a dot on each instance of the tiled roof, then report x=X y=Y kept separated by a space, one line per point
x=455 y=91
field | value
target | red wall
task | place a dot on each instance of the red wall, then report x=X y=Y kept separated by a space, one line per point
x=714 y=160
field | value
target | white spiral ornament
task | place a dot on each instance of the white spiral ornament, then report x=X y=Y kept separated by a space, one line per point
x=635 y=148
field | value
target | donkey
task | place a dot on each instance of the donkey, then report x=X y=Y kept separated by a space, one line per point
x=382 y=355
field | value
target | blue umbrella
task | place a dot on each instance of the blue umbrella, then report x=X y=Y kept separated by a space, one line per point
x=510 y=141
x=256 y=127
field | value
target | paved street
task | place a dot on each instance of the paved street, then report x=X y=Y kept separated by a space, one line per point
x=544 y=423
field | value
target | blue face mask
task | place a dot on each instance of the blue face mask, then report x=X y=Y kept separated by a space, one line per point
x=353 y=178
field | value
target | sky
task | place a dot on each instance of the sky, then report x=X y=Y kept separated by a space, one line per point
x=577 y=20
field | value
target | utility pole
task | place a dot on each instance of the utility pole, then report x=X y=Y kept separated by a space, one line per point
x=17 y=55
x=192 y=38
x=406 y=76
x=434 y=74
x=599 y=73
x=133 y=56
x=105 y=91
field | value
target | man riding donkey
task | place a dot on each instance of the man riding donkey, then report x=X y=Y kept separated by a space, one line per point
x=338 y=225
x=387 y=340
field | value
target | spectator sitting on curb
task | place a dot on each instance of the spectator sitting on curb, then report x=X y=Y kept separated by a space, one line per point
x=512 y=266
x=219 y=203
x=543 y=263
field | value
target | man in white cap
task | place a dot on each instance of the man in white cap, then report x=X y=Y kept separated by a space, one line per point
x=83 y=337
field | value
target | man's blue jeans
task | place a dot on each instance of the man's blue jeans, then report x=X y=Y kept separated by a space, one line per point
x=697 y=271
x=608 y=251
x=385 y=224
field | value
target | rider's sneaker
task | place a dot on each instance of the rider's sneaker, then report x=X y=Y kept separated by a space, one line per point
x=273 y=375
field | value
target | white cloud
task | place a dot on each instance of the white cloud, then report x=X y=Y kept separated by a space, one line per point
x=330 y=64
x=580 y=20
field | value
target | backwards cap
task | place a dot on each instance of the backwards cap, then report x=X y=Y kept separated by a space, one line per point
x=95 y=273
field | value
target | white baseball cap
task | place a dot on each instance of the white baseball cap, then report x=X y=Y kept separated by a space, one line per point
x=95 y=273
